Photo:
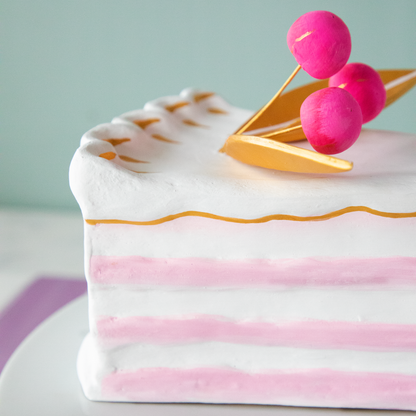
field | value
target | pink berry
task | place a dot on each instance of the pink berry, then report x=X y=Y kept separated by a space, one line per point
x=331 y=119
x=365 y=85
x=320 y=42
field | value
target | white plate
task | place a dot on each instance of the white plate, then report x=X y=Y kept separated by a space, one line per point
x=40 y=379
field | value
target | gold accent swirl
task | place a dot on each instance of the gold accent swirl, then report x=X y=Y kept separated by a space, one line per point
x=146 y=122
x=163 y=138
x=131 y=159
x=193 y=123
x=108 y=155
x=267 y=218
x=216 y=110
x=116 y=142
x=202 y=96
x=173 y=107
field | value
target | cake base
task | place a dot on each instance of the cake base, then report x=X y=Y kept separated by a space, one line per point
x=225 y=385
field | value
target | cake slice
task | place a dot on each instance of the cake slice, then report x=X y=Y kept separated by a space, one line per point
x=214 y=281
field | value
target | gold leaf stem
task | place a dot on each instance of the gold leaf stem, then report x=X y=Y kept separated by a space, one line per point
x=273 y=134
x=248 y=123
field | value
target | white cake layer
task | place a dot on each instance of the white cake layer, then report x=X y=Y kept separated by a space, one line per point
x=188 y=173
x=342 y=304
x=224 y=373
x=356 y=234
x=251 y=358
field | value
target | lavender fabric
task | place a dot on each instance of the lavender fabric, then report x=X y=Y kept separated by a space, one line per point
x=38 y=301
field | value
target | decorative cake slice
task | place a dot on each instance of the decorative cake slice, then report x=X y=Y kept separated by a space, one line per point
x=215 y=281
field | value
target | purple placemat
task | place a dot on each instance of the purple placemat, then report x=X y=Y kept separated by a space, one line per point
x=38 y=301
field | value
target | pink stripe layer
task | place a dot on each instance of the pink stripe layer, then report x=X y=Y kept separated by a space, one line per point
x=319 y=387
x=391 y=271
x=306 y=334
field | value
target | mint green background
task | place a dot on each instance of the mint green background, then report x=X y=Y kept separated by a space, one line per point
x=67 y=65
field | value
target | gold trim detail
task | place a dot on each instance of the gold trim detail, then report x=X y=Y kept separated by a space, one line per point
x=216 y=110
x=108 y=155
x=193 y=123
x=267 y=218
x=116 y=142
x=130 y=159
x=173 y=107
x=202 y=96
x=144 y=123
x=163 y=138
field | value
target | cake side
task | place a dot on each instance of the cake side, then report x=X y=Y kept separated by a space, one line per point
x=209 y=328
x=211 y=281
x=237 y=312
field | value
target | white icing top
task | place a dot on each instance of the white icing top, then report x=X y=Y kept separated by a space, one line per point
x=184 y=170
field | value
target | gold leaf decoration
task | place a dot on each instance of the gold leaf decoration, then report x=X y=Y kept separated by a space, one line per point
x=272 y=154
x=287 y=107
x=259 y=150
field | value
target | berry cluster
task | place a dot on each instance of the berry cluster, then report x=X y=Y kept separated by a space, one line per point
x=332 y=117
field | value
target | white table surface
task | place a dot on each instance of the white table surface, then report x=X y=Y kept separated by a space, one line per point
x=37 y=243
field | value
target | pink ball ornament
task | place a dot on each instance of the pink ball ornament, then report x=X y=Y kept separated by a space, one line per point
x=365 y=85
x=331 y=120
x=320 y=42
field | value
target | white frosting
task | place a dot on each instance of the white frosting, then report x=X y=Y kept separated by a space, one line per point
x=254 y=358
x=194 y=175
x=264 y=305
x=355 y=234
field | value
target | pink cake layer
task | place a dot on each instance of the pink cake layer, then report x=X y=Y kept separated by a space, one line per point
x=320 y=387
x=305 y=334
x=393 y=271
